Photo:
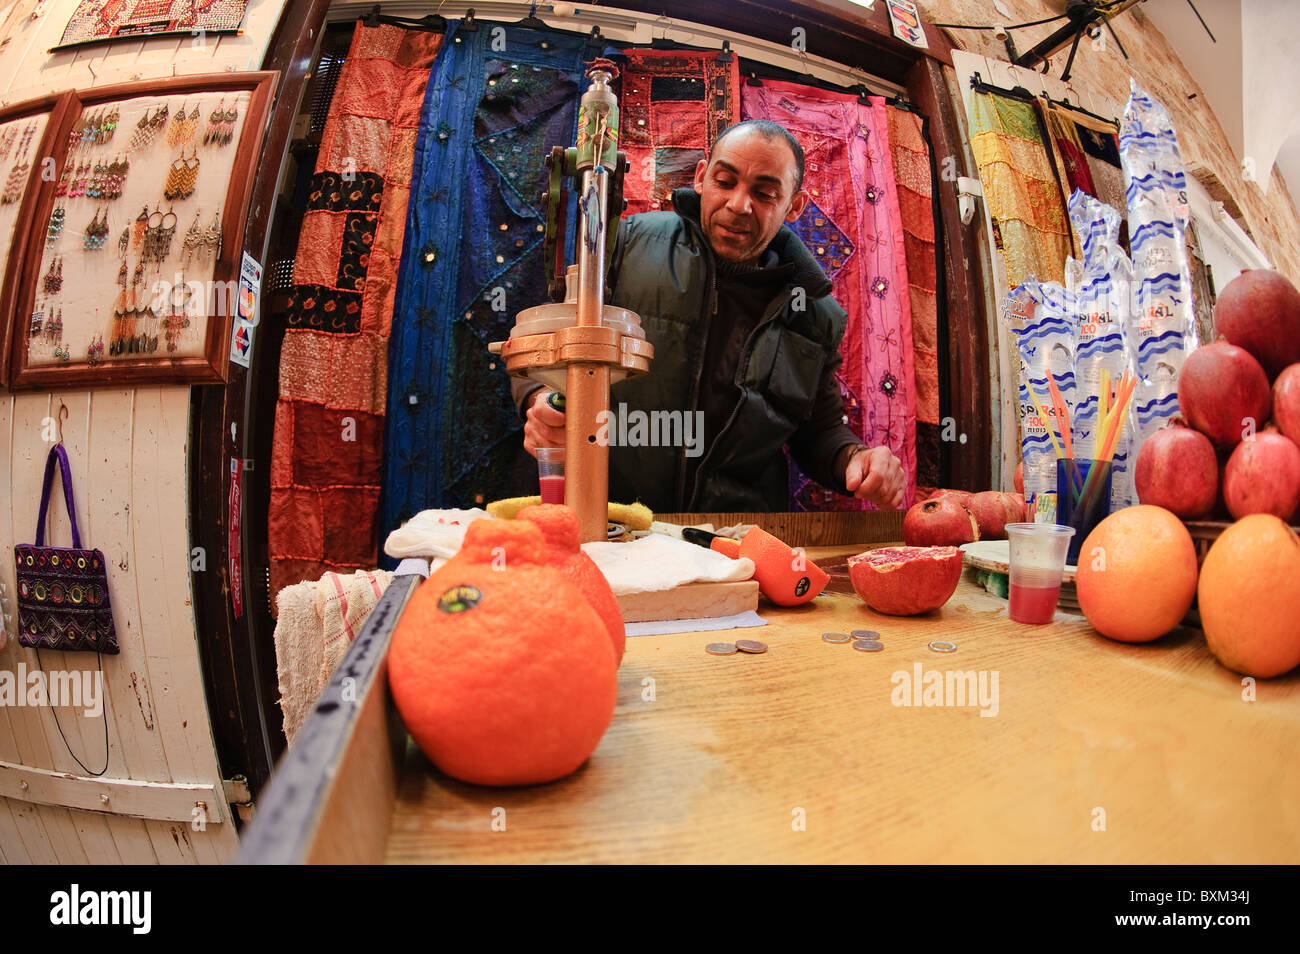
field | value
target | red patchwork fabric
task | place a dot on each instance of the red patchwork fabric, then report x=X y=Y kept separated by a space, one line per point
x=329 y=422
x=673 y=104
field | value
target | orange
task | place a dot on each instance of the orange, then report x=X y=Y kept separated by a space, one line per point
x=502 y=671
x=1249 y=597
x=1137 y=574
x=559 y=525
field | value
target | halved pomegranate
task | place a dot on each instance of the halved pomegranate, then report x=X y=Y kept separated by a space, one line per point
x=905 y=581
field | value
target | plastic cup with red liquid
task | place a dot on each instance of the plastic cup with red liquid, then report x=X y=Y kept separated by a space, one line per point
x=550 y=474
x=1037 y=564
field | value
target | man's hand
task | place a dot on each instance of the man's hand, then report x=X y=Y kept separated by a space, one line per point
x=543 y=424
x=875 y=474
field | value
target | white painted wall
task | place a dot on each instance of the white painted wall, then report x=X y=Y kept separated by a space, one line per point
x=129 y=458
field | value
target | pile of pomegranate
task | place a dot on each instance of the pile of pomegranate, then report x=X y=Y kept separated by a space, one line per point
x=1236 y=450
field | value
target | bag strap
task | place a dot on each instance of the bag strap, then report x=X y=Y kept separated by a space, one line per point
x=57 y=452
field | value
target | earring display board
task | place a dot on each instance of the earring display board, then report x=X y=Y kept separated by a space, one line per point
x=132 y=268
x=28 y=134
x=101 y=21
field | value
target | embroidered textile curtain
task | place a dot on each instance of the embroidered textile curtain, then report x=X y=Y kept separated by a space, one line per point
x=853 y=227
x=472 y=259
x=673 y=104
x=326 y=452
x=913 y=176
x=1086 y=154
x=1030 y=227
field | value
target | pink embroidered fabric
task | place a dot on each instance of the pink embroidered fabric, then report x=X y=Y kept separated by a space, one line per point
x=853 y=227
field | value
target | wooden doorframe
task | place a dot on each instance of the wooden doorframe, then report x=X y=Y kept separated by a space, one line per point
x=238 y=659
x=239 y=653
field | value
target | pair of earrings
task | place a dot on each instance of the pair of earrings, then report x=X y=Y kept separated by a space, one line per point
x=221 y=125
x=95 y=350
x=157 y=238
x=182 y=177
x=53 y=327
x=55 y=228
x=13 y=190
x=53 y=280
x=181 y=131
x=147 y=129
x=201 y=240
x=96 y=232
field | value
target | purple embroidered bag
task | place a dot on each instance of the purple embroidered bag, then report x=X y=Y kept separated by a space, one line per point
x=63 y=591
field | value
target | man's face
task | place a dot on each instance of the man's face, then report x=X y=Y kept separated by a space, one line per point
x=746 y=193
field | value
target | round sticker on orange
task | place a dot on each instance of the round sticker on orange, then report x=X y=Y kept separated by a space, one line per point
x=458 y=599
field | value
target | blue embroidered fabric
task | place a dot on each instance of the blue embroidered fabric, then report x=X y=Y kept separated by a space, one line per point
x=472 y=259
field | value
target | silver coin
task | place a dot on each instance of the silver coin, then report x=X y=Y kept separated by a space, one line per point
x=943 y=646
x=865 y=634
x=836 y=637
x=751 y=646
x=720 y=649
x=868 y=645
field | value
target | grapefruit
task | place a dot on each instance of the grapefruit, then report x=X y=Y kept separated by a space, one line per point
x=1249 y=597
x=1137 y=574
x=502 y=671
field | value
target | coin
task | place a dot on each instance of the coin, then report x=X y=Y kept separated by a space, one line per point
x=865 y=634
x=868 y=645
x=836 y=637
x=720 y=649
x=751 y=646
x=943 y=646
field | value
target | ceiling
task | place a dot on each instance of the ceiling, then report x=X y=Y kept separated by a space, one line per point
x=1248 y=76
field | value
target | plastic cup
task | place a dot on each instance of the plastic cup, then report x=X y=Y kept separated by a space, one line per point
x=1037 y=564
x=550 y=474
x=1082 y=499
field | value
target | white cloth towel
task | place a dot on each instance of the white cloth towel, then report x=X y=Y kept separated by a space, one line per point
x=432 y=533
x=317 y=622
x=657 y=562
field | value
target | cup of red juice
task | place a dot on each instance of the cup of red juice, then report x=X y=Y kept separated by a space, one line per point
x=550 y=474
x=1037 y=564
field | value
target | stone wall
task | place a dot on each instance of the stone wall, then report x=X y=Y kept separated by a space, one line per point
x=1271 y=219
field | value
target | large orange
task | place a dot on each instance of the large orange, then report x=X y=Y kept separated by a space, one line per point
x=559 y=525
x=1137 y=574
x=502 y=671
x=1249 y=597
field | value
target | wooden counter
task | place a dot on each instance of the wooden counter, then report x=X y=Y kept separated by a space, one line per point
x=1099 y=752
x=719 y=766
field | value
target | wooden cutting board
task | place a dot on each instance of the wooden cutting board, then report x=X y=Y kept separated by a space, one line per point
x=691 y=601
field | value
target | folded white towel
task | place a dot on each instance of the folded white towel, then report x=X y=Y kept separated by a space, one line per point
x=432 y=533
x=657 y=562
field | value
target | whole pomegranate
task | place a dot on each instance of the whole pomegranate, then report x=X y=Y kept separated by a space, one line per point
x=941 y=522
x=1223 y=393
x=1260 y=311
x=1263 y=476
x=1177 y=469
x=1286 y=402
x=993 y=511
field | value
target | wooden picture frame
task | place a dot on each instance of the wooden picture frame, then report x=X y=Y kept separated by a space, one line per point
x=58 y=110
x=156 y=367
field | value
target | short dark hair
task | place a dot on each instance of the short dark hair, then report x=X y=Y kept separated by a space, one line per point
x=768 y=130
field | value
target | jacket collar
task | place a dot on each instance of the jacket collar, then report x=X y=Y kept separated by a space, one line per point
x=787 y=245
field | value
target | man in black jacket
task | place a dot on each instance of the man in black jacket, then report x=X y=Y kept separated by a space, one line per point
x=746 y=338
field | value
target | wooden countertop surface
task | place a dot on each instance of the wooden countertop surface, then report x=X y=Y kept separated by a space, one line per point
x=1154 y=743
